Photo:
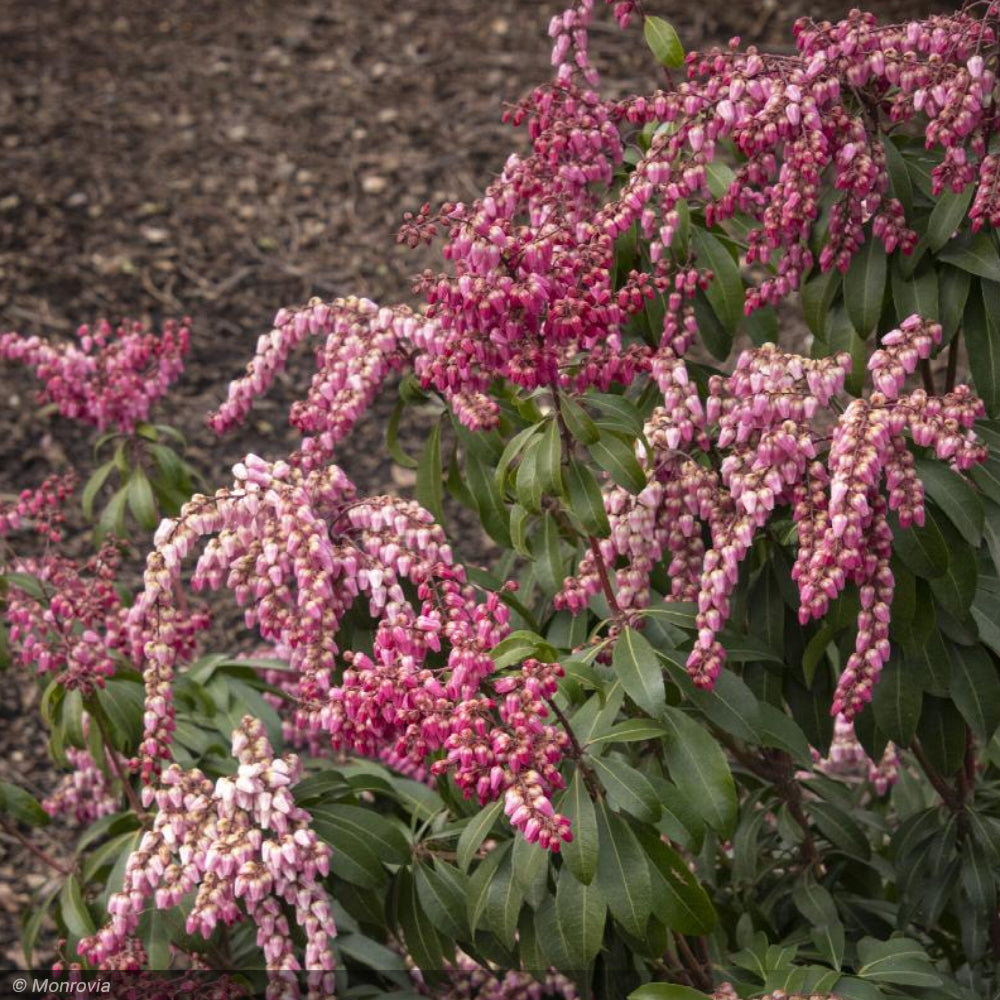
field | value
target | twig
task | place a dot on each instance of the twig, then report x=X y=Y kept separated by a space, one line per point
x=133 y=800
x=952 y=372
x=928 y=377
x=602 y=572
x=34 y=848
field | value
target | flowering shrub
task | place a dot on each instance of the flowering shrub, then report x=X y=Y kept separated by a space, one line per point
x=720 y=715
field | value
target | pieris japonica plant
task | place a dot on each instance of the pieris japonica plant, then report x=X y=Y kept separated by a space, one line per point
x=712 y=710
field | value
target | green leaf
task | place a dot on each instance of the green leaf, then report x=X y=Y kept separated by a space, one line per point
x=382 y=836
x=504 y=898
x=982 y=340
x=942 y=734
x=818 y=294
x=581 y=910
x=953 y=494
x=638 y=667
x=623 y=872
x=902 y=186
x=21 y=805
x=480 y=884
x=663 y=42
x=585 y=499
x=917 y=294
x=548 y=463
x=580 y=854
x=519 y=645
x=112 y=519
x=922 y=549
x=578 y=421
x=896 y=701
x=528 y=484
x=947 y=216
x=975 y=688
x=531 y=869
x=666 y=991
x=778 y=730
x=547 y=554
x=630 y=731
x=956 y=589
x=520 y=519
x=840 y=829
x=353 y=857
x=975 y=254
x=617 y=457
x=725 y=293
x=392 y=438
x=442 y=890
x=699 y=769
x=97 y=479
x=899 y=961
x=73 y=909
x=492 y=511
x=422 y=940
x=618 y=413
x=681 y=903
x=953 y=293
x=514 y=447
x=627 y=788
x=475 y=832
x=430 y=488
x=864 y=287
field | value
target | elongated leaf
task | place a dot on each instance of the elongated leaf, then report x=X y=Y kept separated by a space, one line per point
x=623 y=872
x=897 y=701
x=578 y=421
x=665 y=991
x=580 y=854
x=97 y=479
x=663 y=42
x=953 y=293
x=917 y=294
x=922 y=548
x=475 y=833
x=953 y=494
x=531 y=868
x=585 y=499
x=947 y=215
x=976 y=254
x=489 y=502
x=581 y=910
x=818 y=294
x=548 y=462
x=617 y=458
x=630 y=731
x=514 y=447
x=547 y=553
x=21 y=805
x=681 y=903
x=975 y=688
x=942 y=734
x=627 y=788
x=430 y=487
x=422 y=940
x=638 y=667
x=982 y=338
x=699 y=769
x=504 y=898
x=864 y=287
x=528 y=482
x=899 y=961
x=725 y=293
x=442 y=890
x=840 y=829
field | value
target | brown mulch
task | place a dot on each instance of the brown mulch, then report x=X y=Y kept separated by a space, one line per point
x=221 y=159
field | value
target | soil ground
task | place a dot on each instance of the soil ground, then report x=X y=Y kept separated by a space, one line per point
x=220 y=159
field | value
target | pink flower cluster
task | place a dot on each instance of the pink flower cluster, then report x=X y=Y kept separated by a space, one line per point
x=468 y=980
x=41 y=509
x=87 y=793
x=112 y=377
x=298 y=549
x=848 y=760
x=247 y=849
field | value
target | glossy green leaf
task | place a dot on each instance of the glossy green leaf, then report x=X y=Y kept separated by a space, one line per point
x=617 y=458
x=422 y=941
x=864 y=287
x=504 y=898
x=921 y=548
x=528 y=483
x=546 y=550
x=840 y=829
x=899 y=961
x=956 y=498
x=430 y=486
x=953 y=293
x=488 y=499
x=681 y=903
x=975 y=688
x=896 y=701
x=623 y=872
x=665 y=991
x=73 y=910
x=475 y=832
x=548 y=464
x=442 y=890
x=580 y=854
x=638 y=667
x=627 y=788
x=21 y=806
x=112 y=519
x=578 y=421
x=663 y=42
x=947 y=215
x=982 y=341
x=975 y=253
x=97 y=479
x=585 y=499
x=630 y=731
x=700 y=770
x=916 y=294
x=725 y=293
x=818 y=294
x=581 y=910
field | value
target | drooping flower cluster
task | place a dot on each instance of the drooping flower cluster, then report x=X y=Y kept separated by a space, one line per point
x=468 y=980
x=111 y=377
x=87 y=793
x=847 y=759
x=364 y=344
x=298 y=549
x=247 y=849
